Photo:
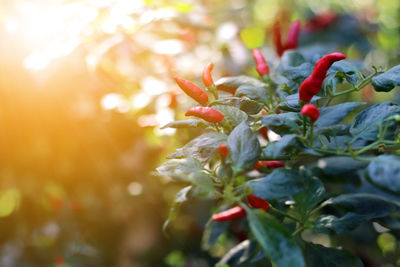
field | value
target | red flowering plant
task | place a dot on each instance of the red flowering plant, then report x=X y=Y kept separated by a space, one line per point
x=280 y=157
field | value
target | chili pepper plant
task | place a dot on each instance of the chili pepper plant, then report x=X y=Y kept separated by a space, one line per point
x=333 y=165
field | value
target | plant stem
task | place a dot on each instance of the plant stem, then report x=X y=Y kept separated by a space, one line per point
x=283 y=214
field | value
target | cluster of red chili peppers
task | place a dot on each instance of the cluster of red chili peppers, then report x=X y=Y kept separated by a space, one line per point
x=310 y=87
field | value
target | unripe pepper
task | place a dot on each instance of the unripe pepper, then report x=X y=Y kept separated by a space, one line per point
x=230 y=215
x=312 y=84
x=261 y=64
x=257 y=202
x=206 y=113
x=207 y=78
x=192 y=90
x=310 y=111
x=223 y=151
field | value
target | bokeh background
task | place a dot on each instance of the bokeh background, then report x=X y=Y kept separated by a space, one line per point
x=85 y=86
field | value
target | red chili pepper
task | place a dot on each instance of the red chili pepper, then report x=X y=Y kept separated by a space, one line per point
x=207 y=78
x=264 y=132
x=312 y=84
x=230 y=215
x=257 y=202
x=192 y=90
x=261 y=64
x=223 y=151
x=206 y=113
x=273 y=164
x=258 y=165
x=278 y=40
x=293 y=35
x=310 y=111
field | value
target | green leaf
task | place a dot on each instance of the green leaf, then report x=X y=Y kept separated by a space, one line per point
x=293 y=69
x=312 y=194
x=320 y=256
x=253 y=36
x=288 y=145
x=278 y=184
x=345 y=69
x=291 y=102
x=333 y=130
x=334 y=114
x=365 y=125
x=201 y=148
x=212 y=232
x=274 y=239
x=244 y=147
x=247 y=105
x=388 y=80
x=384 y=171
x=238 y=254
x=253 y=92
x=190 y=123
x=181 y=196
x=284 y=123
x=357 y=208
x=231 y=114
x=230 y=84
x=187 y=170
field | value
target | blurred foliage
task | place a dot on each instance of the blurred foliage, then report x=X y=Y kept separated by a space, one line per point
x=85 y=86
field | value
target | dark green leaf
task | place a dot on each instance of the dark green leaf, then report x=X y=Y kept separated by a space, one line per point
x=365 y=125
x=231 y=114
x=201 y=148
x=291 y=102
x=334 y=114
x=190 y=123
x=320 y=256
x=278 y=184
x=384 y=171
x=333 y=130
x=274 y=239
x=247 y=105
x=244 y=147
x=283 y=123
x=230 y=84
x=357 y=208
x=346 y=69
x=253 y=92
x=312 y=194
x=286 y=146
x=388 y=80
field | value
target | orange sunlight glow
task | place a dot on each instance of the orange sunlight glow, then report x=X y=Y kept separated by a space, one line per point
x=53 y=29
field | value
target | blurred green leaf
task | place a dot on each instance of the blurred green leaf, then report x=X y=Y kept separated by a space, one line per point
x=320 y=256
